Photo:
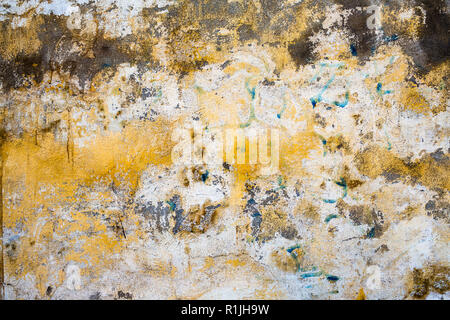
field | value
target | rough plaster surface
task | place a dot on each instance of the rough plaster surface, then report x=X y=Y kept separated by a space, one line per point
x=95 y=207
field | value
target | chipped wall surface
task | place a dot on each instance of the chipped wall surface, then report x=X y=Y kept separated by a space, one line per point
x=337 y=188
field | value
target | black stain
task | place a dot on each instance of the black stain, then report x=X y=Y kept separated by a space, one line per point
x=55 y=55
x=290 y=232
x=439 y=210
x=301 y=50
x=364 y=40
x=433 y=44
x=246 y=33
x=157 y=215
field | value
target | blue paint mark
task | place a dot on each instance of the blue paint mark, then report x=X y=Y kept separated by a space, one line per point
x=291 y=249
x=391 y=38
x=280 y=182
x=332 y=278
x=379 y=86
x=252 y=92
x=353 y=50
x=205 y=175
x=331 y=217
x=342 y=183
x=327 y=65
x=371 y=233
x=324 y=143
x=311 y=275
x=294 y=255
x=344 y=103
x=318 y=98
x=332 y=65
x=389 y=147
x=381 y=92
x=256 y=214
x=282 y=111
x=327 y=85
x=172 y=205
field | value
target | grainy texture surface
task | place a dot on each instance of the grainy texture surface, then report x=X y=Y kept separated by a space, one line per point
x=94 y=205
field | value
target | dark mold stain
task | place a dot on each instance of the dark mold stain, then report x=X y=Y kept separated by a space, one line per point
x=266 y=214
x=191 y=24
x=55 y=55
x=15 y=73
x=301 y=50
x=158 y=216
x=439 y=156
x=439 y=210
x=272 y=197
x=375 y=161
x=290 y=232
x=196 y=220
x=363 y=39
x=147 y=93
x=268 y=83
x=175 y=206
x=364 y=215
x=251 y=208
x=391 y=176
x=246 y=33
x=434 y=45
x=432 y=278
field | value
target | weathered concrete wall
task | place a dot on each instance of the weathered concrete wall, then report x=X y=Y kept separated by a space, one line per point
x=96 y=203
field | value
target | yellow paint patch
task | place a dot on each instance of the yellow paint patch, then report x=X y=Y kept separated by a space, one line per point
x=411 y=99
x=235 y=262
